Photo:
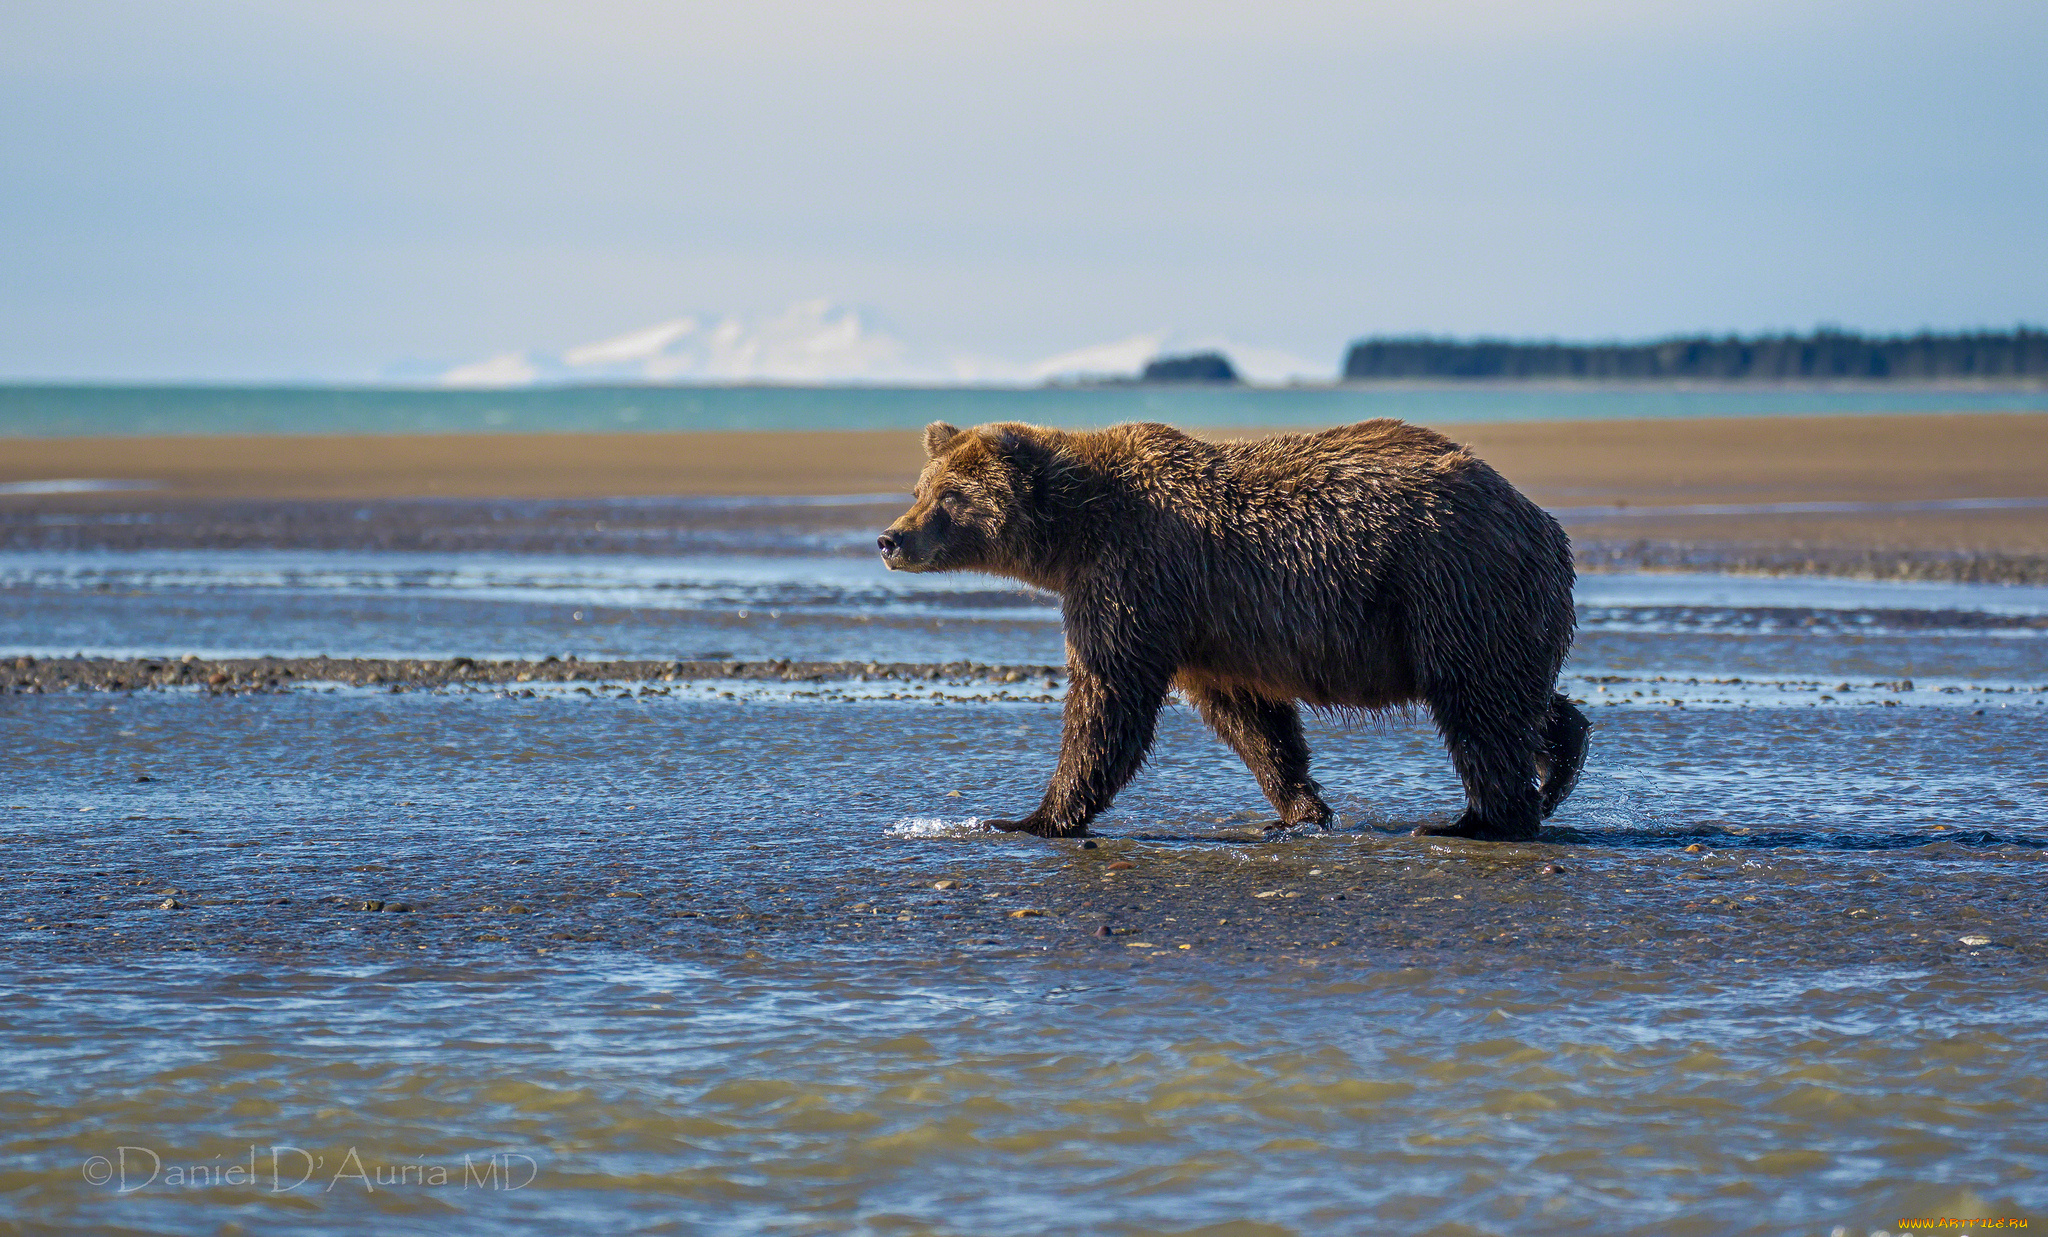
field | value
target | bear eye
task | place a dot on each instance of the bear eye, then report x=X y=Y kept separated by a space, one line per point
x=953 y=500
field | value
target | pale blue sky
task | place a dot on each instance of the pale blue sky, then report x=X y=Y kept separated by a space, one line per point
x=306 y=191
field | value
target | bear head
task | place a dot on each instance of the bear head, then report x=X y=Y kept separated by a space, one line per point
x=979 y=503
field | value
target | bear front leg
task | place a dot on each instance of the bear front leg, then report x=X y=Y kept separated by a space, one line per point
x=1110 y=716
x=1266 y=735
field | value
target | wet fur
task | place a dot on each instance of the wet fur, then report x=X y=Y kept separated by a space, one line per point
x=1364 y=568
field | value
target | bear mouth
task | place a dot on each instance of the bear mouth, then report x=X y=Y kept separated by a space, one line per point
x=897 y=561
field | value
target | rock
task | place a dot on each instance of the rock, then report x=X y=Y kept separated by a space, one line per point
x=1974 y=940
x=1088 y=846
x=1122 y=865
x=398 y=908
x=1028 y=912
x=945 y=884
x=170 y=904
x=144 y=777
x=1694 y=849
x=371 y=905
x=1103 y=931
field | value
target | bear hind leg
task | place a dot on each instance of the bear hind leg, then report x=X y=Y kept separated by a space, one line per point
x=1495 y=759
x=1266 y=735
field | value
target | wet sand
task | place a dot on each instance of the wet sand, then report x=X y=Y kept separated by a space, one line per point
x=1705 y=897
x=1632 y=492
x=30 y=675
x=1658 y=462
x=753 y=967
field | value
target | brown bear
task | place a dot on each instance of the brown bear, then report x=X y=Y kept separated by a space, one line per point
x=1362 y=568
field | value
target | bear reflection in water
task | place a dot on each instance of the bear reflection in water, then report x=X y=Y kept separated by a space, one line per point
x=1365 y=568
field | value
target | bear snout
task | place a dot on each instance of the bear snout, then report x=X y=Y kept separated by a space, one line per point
x=895 y=551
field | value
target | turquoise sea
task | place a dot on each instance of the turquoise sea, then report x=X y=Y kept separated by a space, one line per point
x=62 y=411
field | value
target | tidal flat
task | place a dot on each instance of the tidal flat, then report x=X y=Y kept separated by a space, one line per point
x=382 y=911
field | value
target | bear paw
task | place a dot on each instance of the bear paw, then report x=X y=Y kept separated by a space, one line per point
x=1478 y=828
x=1039 y=827
x=1309 y=812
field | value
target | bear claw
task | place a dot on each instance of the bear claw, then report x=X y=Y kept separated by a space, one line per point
x=1475 y=827
x=1282 y=826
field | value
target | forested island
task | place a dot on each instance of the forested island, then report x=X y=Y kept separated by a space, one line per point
x=1825 y=355
x=1194 y=367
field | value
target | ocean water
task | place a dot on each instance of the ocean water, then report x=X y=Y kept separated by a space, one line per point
x=739 y=958
x=56 y=411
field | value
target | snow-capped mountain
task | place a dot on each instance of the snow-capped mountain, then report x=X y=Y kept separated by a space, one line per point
x=812 y=341
x=818 y=341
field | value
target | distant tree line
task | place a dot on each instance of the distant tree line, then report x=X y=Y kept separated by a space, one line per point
x=1825 y=354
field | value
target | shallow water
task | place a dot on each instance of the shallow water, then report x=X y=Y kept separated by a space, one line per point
x=44 y=411
x=772 y=594
x=679 y=962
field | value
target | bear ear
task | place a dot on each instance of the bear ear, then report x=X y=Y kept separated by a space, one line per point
x=1016 y=445
x=937 y=437
x=1038 y=463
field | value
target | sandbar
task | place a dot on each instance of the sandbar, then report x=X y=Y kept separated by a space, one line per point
x=1623 y=483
